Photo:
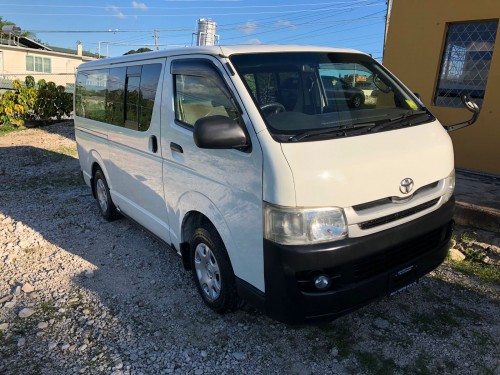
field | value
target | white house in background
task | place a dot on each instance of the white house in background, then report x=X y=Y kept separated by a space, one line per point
x=25 y=57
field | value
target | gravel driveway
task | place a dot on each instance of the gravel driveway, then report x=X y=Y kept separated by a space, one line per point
x=80 y=295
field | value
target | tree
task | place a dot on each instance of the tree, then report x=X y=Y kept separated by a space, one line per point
x=140 y=50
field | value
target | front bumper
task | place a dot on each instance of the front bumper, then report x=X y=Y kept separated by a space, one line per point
x=361 y=269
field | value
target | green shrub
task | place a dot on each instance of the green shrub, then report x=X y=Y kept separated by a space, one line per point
x=44 y=103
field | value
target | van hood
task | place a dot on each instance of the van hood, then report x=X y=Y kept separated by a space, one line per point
x=344 y=172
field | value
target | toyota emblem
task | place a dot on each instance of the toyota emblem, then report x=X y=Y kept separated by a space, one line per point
x=406 y=186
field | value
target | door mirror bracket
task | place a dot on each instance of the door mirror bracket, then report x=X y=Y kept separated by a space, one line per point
x=471 y=105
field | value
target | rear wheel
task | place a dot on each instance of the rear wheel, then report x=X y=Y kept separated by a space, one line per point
x=212 y=271
x=106 y=206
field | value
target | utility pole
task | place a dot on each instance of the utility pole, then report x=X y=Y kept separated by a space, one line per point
x=156 y=39
x=387 y=21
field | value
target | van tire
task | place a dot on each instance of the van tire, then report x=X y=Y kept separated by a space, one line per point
x=103 y=198
x=212 y=271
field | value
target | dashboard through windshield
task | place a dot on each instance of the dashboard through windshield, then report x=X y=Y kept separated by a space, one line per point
x=311 y=95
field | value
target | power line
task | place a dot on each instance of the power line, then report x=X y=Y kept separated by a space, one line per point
x=308 y=34
x=328 y=15
x=113 y=31
x=181 y=8
x=176 y=15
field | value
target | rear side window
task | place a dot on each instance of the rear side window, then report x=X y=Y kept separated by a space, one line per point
x=122 y=96
x=90 y=100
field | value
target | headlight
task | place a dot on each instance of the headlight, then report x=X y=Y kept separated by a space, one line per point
x=301 y=226
x=449 y=186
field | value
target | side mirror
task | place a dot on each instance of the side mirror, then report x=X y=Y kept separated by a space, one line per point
x=471 y=105
x=219 y=132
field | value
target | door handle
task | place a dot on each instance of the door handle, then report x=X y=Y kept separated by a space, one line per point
x=175 y=147
x=154 y=144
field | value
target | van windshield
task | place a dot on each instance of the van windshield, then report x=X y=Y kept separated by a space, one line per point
x=315 y=95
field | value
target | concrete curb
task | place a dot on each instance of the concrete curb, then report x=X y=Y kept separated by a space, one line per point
x=485 y=218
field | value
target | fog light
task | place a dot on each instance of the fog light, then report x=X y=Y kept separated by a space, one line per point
x=322 y=282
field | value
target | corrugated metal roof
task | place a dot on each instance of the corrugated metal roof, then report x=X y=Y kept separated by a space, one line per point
x=24 y=42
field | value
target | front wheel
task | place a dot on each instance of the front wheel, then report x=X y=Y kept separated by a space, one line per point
x=212 y=271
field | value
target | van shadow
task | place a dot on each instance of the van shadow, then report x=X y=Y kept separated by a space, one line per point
x=44 y=191
x=64 y=128
x=138 y=278
x=140 y=282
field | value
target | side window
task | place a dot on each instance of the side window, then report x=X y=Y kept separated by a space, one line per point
x=132 y=84
x=197 y=97
x=123 y=96
x=115 y=102
x=91 y=94
x=149 y=82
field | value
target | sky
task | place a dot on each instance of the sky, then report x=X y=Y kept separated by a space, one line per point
x=117 y=26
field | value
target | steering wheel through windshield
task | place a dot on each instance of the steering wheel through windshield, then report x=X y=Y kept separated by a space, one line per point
x=272 y=108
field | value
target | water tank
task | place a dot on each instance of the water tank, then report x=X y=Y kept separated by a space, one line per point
x=11 y=29
x=206 y=32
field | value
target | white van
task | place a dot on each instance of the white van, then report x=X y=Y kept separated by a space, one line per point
x=269 y=175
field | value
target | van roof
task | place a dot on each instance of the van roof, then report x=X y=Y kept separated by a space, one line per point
x=215 y=51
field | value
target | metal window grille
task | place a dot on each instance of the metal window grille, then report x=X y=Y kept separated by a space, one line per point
x=465 y=63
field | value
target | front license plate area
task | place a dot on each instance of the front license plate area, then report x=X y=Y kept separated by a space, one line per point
x=402 y=280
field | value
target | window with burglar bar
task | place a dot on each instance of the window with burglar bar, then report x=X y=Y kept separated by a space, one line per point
x=465 y=63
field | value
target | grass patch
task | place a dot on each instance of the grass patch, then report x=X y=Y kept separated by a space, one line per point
x=35 y=183
x=46 y=310
x=374 y=364
x=483 y=272
x=341 y=336
x=9 y=128
x=468 y=237
x=67 y=150
x=484 y=343
x=450 y=366
x=483 y=369
x=420 y=366
x=437 y=322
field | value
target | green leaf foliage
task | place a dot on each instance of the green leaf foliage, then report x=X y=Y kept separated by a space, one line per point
x=44 y=102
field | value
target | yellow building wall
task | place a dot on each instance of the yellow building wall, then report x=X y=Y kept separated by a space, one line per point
x=414 y=47
x=63 y=66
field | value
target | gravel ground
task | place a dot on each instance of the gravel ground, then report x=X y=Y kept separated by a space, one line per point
x=80 y=295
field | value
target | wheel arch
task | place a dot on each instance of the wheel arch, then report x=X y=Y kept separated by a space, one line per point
x=96 y=162
x=197 y=210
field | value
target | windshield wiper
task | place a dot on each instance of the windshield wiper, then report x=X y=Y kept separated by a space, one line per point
x=341 y=131
x=403 y=120
x=364 y=128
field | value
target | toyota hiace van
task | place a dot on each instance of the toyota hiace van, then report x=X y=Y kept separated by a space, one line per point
x=272 y=187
